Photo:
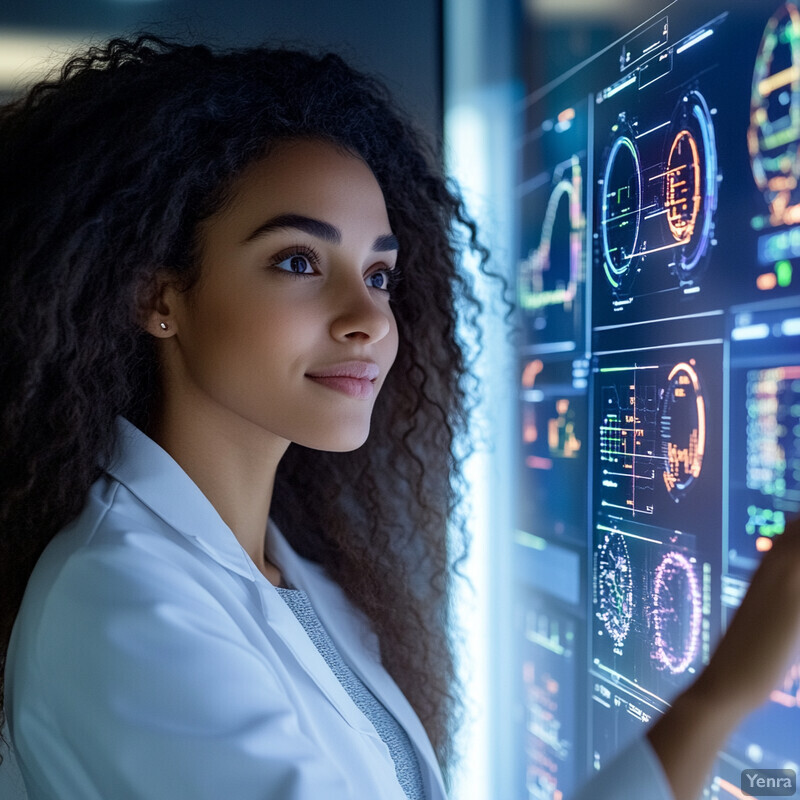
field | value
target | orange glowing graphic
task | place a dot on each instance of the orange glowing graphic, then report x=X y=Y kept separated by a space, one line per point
x=561 y=436
x=562 y=440
x=683 y=190
x=767 y=281
x=763 y=544
x=731 y=789
x=532 y=369
x=530 y=433
x=685 y=463
x=788 y=694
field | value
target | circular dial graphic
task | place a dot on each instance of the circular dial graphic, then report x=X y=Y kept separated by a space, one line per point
x=621 y=210
x=690 y=184
x=683 y=429
x=677 y=613
x=615 y=587
x=773 y=137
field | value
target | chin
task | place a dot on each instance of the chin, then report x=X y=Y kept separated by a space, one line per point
x=342 y=441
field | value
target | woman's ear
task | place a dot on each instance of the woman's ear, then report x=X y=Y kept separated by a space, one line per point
x=156 y=303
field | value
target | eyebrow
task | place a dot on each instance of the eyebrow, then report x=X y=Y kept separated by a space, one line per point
x=318 y=228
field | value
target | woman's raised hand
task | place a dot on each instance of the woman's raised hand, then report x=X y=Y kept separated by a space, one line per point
x=756 y=649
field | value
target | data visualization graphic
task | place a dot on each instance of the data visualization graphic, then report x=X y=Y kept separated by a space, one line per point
x=618 y=717
x=552 y=270
x=554 y=446
x=654 y=430
x=657 y=509
x=551 y=277
x=549 y=655
x=677 y=613
x=765 y=407
x=658 y=184
x=614 y=587
x=658 y=370
x=773 y=141
x=773 y=137
x=653 y=598
x=621 y=210
x=664 y=206
x=682 y=423
x=690 y=184
x=773 y=452
x=666 y=607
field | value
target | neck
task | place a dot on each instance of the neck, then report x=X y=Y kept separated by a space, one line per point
x=233 y=463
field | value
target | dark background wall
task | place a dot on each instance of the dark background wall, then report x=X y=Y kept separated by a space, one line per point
x=399 y=41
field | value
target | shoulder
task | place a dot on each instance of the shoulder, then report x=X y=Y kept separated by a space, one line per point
x=115 y=563
x=115 y=541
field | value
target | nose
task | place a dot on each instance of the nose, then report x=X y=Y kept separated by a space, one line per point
x=361 y=313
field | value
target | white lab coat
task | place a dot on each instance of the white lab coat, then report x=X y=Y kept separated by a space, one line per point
x=152 y=660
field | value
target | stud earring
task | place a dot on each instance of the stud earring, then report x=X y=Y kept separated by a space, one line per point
x=164 y=326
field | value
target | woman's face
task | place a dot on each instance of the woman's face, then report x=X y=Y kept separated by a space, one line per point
x=289 y=328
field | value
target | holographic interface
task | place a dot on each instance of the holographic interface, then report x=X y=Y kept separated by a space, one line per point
x=658 y=377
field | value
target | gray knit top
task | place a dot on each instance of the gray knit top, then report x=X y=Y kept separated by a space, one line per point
x=396 y=739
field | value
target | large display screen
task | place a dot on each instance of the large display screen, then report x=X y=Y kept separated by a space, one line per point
x=658 y=281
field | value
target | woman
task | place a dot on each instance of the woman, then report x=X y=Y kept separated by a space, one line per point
x=232 y=387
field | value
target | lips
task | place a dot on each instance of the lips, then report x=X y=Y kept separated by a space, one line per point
x=353 y=378
x=361 y=370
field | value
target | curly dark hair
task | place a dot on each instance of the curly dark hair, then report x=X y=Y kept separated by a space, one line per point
x=106 y=172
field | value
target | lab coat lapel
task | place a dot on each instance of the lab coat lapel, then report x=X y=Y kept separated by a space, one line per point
x=284 y=623
x=347 y=631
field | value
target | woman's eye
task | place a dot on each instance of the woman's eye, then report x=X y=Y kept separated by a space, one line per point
x=379 y=279
x=296 y=263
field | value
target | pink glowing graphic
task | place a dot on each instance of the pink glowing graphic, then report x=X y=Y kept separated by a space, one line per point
x=677 y=613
